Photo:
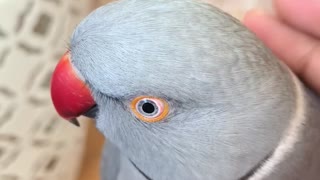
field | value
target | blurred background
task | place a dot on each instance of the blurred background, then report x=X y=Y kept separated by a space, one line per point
x=34 y=143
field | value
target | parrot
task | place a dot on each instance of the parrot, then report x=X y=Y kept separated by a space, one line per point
x=182 y=90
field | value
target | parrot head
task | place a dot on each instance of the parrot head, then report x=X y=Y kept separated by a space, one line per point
x=183 y=89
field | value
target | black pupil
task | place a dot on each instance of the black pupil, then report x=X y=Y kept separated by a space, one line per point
x=148 y=108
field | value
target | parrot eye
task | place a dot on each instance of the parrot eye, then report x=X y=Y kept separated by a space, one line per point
x=149 y=109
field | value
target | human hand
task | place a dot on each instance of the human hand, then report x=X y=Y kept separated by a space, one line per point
x=293 y=35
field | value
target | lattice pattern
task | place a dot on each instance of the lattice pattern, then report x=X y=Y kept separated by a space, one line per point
x=34 y=145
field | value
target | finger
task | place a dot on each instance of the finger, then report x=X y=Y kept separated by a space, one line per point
x=299 y=51
x=288 y=44
x=302 y=14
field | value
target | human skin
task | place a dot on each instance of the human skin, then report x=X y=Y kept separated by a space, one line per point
x=293 y=34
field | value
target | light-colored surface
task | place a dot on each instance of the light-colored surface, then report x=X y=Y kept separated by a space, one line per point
x=34 y=144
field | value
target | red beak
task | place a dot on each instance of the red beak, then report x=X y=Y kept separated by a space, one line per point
x=70 y=95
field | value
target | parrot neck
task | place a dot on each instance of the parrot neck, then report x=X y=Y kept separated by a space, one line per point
x=298 y=154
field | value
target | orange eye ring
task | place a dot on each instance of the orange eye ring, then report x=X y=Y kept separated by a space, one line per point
x=149 y=109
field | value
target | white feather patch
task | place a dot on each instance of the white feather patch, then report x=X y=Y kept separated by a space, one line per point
x=287 y=144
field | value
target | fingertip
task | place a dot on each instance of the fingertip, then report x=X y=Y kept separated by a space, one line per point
x=252 y=14
x=258 y=21
x=252 y=19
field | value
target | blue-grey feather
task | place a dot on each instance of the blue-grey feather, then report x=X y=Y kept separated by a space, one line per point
x=230 y=98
